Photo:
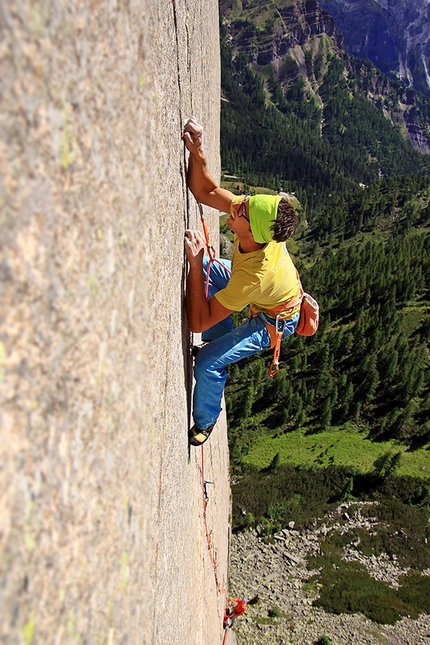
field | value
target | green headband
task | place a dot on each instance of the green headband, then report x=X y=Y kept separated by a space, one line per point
x=262 y=216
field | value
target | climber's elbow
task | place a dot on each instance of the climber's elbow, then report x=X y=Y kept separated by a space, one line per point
x=203 y=319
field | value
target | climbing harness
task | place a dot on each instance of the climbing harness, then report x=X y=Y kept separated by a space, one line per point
x=279 y=330
x=307 y=324
x=280 y=315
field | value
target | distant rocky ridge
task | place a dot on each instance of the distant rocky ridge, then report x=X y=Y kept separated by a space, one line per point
x=394 y=35
x=279 y=37
x=278 y=574
x=297 y=38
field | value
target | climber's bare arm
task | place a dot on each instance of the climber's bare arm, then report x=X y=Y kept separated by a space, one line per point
x=201 y=313
x=200 y=182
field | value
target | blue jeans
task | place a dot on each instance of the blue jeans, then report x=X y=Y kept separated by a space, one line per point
x=227 y=346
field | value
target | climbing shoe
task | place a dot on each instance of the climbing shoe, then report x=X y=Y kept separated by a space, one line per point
x=197 y=437
x=196 y=348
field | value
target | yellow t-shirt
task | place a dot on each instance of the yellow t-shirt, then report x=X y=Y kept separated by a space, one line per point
x=263 y=279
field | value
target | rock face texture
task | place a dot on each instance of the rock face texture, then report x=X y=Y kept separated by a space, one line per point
x=102 y=535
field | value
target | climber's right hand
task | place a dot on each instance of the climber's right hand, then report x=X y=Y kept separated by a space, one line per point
x=193 y=134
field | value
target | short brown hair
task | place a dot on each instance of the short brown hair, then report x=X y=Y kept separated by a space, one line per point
x=286 y=221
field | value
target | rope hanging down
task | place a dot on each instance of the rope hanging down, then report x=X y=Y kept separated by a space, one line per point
x=211 y=548
x=220 y=588
x=212 y=258
x=224 y=640
x=210 y=249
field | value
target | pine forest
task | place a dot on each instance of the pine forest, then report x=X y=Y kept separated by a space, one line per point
x=348 y=415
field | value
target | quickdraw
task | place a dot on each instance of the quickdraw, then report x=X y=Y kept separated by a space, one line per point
x=280 y=314
x=274 y=365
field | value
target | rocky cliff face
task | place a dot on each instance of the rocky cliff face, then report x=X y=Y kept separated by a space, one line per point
x=270 y=36
x=297 y=38
x=403 y=106
x=102 y=537
x=299 y=22
x=394 y=35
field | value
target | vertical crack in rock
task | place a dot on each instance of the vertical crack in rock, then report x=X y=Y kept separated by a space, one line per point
x=186 y=335
x=181 y=119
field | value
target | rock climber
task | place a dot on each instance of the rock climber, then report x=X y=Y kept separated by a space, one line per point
x=237 y=608
x=262 y=276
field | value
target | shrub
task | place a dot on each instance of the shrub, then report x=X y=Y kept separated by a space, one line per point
x=324 y=640
x=348 y=588
x=249 y=520
x=274 y=612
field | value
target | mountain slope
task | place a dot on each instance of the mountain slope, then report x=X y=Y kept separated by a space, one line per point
x=317 y=135
x=394 y=36
x=362 y=250
x=294 y=41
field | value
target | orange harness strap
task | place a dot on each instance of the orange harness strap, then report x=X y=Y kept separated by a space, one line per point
x=280 y=313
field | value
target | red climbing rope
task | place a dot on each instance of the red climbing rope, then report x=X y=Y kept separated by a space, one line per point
x=210 y=249
x=220 y=587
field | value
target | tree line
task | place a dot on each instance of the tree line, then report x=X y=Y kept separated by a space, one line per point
x=314 y=145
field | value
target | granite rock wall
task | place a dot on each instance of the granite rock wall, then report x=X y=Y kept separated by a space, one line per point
x=102 y=537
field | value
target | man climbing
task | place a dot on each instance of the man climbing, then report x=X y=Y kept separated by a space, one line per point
x=262 y=276
x=237 y=608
